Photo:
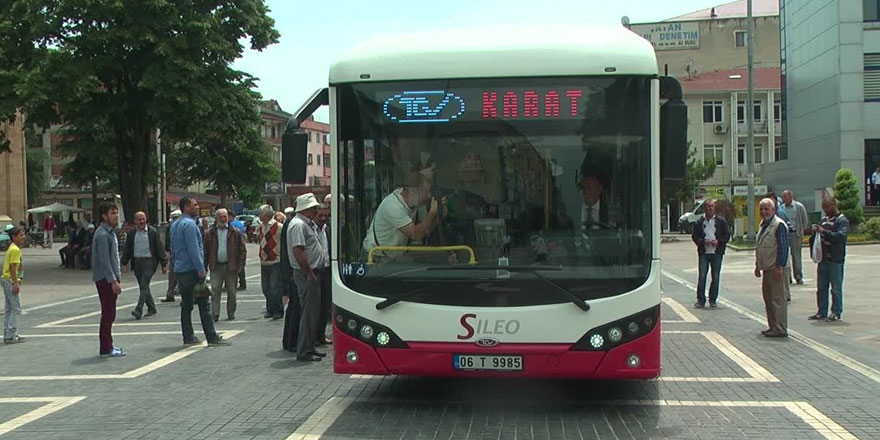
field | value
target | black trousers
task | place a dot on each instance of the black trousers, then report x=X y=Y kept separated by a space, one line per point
x=326 y=303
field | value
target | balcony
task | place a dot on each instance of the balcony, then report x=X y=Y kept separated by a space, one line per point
x=742 y=172
x=760 y=127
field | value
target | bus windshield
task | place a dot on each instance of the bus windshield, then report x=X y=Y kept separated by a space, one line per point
x=496 y=192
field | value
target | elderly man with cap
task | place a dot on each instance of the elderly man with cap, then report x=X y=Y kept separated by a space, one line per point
x=288 y=290
x=305 y=250
x=172 y=280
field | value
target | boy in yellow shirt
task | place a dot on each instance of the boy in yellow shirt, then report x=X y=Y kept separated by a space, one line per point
x=11 y=282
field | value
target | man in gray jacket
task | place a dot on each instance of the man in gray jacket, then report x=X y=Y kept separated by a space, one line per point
x=797 y=217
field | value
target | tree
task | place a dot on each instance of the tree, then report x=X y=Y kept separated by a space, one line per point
x=697 y=171
x=230 y=152
x=36 y=175
x=846 y=192
x=137 y=65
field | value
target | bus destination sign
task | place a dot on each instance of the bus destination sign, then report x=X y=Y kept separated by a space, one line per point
x=514 y=104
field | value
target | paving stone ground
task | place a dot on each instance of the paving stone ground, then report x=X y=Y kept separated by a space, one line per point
x=721 y=379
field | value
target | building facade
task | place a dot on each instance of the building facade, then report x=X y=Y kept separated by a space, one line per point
x=707 y=51
x=830 y=65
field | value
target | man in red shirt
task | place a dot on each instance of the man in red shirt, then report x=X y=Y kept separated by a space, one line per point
x=48 y=230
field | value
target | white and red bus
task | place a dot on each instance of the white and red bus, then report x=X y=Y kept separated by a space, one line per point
x=543 y=151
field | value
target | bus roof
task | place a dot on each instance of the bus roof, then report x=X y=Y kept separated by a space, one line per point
x=487 y=53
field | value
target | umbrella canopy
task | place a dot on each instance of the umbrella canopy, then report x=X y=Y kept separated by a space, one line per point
x=53 y=208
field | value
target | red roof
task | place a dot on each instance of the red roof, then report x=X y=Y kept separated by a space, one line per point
x=736 y=9
x=766 y=78
x=312 y=124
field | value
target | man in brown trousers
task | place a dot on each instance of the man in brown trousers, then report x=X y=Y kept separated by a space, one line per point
x=225 y=257
x=771 y=257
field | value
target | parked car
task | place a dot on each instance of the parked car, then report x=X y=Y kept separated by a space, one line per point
x=247 y=219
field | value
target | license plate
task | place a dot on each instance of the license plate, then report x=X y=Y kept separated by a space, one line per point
x=487 y=362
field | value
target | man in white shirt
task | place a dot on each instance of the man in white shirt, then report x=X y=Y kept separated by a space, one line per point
x=711 y=234
x=395 y=221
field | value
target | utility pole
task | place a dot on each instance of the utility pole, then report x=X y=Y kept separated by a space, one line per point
x=750 y=123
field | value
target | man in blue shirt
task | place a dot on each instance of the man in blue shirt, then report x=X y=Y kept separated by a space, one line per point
x=189 y=269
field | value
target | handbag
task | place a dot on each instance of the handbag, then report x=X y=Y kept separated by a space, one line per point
x=816 y=248
x=201 y=290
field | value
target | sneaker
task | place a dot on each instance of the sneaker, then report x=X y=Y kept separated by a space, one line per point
x=116 y=352
x=15 y=340
x=219 y=342
x=713 y=305
x=699 y=305
x=816 y=317
x=832 y=317
x=193 y=341
x=168 y=299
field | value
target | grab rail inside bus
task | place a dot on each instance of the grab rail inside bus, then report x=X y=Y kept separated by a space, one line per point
x=459 y=247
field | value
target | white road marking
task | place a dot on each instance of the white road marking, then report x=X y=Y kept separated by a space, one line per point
x=680 y=310
x=54 y=404
x=822 y=349
x=756 y=372
x=84 y=315
x=321 y=420
x=137 y=372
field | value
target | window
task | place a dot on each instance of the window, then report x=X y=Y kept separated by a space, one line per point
x=325 y=140
x=741 y=154
x=777 y=111
x=310 y=159
x=741 y=110
x=327 y=160
x=871 y=10
x=714 y=151
x=273 y=132
x=872 y=76
x=780 y=152
x=740 y=39
x=712 y=111
x=319 y=159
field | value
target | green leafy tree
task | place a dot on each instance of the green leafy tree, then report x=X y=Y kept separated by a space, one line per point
x=36 y=176
x=136 y=65
x=846 y=192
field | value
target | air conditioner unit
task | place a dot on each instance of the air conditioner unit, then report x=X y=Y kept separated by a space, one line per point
x=720 y=128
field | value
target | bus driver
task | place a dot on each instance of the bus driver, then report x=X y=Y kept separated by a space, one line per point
x=396 y=221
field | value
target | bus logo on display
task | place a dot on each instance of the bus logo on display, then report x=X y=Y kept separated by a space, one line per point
x=425 y=106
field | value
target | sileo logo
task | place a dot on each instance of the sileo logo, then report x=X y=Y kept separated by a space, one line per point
x=486 y=326
x=425 y=106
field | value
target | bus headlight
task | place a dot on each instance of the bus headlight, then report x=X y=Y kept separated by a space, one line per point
x=383 y=338
x=615 y=334
x=632 y=327
x=352 y=324
x=366 y=332
x=597 y=341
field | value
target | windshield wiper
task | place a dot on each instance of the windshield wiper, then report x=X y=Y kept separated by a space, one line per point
x=578 y=301
x=508 y=268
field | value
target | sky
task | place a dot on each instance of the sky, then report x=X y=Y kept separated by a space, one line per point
x=313 y=32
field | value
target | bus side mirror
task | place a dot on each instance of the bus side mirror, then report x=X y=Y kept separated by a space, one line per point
x=673 y=131
x=294 y=148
